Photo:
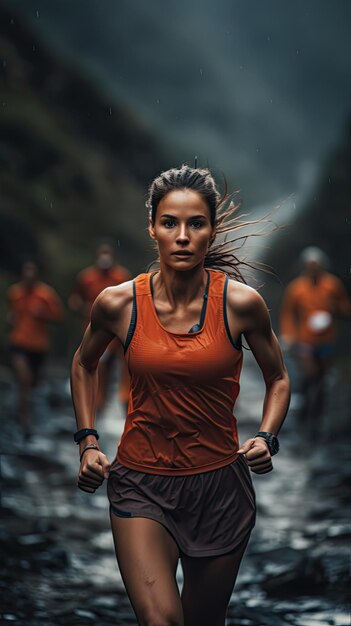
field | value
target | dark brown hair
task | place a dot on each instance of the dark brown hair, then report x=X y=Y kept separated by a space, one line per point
x=221 y=255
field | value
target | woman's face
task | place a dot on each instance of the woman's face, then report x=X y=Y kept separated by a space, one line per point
x=182 y=229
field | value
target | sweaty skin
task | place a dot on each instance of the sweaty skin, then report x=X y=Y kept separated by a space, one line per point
x=183 y=232
x=247 y=313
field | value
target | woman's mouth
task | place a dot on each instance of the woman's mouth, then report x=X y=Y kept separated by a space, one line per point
x=183 y=253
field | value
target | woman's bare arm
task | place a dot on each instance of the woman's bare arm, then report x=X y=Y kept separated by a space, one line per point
x=106 y=322
x=249 y=313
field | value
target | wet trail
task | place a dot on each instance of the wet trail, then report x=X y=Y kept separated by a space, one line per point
x=57 y=552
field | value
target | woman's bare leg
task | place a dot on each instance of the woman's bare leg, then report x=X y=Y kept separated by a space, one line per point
x=147 y=556
x=208 y=585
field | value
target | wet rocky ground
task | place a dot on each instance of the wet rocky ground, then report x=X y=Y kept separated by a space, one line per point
x=57 y=555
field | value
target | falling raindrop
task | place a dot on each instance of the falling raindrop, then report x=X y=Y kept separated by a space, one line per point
x=37 y=13
x=118 y=243
x=110 y=111
x=297 y=51
x=33 y=48
x=157 y=101
x=201 y=71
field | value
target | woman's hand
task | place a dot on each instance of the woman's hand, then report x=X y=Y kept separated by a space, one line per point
x=94 y=468
x=257 y=455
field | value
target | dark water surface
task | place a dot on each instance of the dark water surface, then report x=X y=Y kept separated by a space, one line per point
x=57 y=554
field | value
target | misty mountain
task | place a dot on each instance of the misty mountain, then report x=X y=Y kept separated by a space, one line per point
x=259 y=90
x=75 y=165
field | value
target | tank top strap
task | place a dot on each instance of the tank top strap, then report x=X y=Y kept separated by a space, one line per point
x=214 y=317
x=217 y=315
x=143 y=300
x=217 y=281
x=142 y=284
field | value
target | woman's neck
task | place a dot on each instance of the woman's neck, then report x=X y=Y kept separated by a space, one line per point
x=180 y=287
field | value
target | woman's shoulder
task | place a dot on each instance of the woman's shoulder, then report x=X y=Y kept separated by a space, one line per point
x=113 y=300
x=248 y=306
x=242 y=297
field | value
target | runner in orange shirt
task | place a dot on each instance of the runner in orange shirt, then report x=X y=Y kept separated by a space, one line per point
x=307 y=325
x=90 y=282
x=179 y=486
x=32 y=305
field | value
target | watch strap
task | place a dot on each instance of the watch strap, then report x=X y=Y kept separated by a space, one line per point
x=84 y=432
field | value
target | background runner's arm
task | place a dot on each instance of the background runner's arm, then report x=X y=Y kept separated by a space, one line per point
x=342 y=299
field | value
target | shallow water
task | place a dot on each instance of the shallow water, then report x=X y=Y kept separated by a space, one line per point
x=57 y=550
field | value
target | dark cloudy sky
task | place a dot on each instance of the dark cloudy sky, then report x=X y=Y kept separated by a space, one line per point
x=260 y=89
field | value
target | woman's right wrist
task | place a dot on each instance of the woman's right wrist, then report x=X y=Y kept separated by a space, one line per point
x=87 y=440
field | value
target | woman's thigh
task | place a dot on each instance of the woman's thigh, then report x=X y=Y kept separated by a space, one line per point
x=208 y=585
x=147 y=556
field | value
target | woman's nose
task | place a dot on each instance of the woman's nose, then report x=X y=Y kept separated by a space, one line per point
x=183 y=233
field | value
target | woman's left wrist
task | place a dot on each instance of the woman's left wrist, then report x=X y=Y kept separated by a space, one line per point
x=271 y=441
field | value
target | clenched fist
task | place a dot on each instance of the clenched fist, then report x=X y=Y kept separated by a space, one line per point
x=94 y=468
x=257 y=455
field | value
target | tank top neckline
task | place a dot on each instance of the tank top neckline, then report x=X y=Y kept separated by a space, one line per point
x=170 y=332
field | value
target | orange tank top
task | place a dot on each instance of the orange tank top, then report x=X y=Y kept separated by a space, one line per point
x=183 y=388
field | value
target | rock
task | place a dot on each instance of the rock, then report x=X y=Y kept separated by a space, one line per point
x=307 y=577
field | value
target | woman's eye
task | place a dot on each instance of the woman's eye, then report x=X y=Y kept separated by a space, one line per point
x=196 y=224
x=169 y=223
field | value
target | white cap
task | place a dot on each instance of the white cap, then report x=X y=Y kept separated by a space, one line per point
x=314 y=254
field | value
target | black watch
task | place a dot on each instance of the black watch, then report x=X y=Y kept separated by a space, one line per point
x=84 y=432
x=272 y=441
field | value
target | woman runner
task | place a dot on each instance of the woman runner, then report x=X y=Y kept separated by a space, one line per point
x=180 y=485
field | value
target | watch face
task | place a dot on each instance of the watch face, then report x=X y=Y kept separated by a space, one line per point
x=274 y=445
x=272 y=441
